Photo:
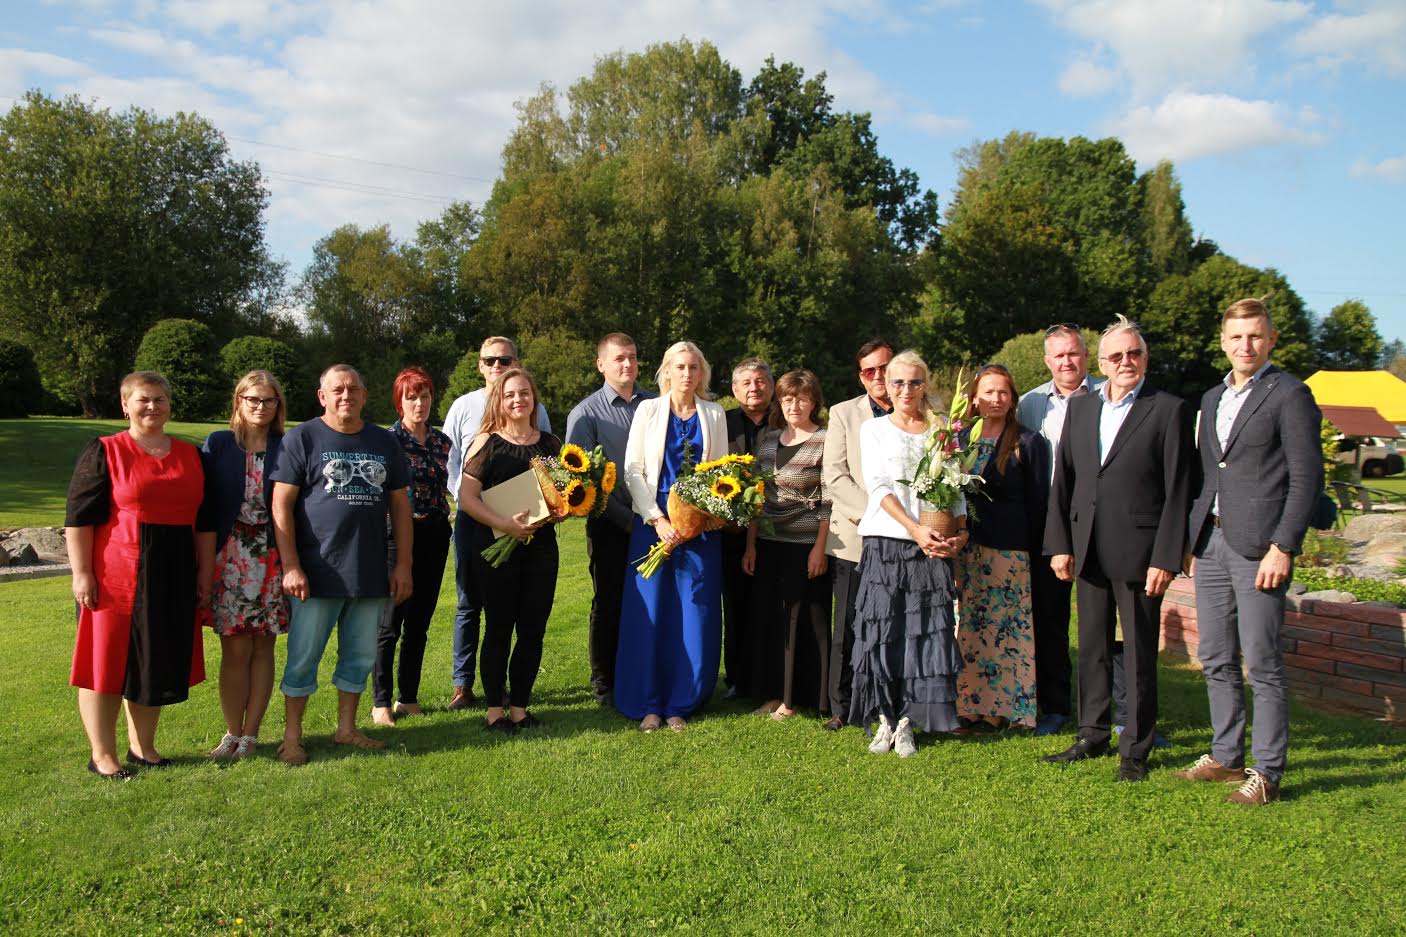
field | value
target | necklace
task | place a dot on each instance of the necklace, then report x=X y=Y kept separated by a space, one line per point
x=157 y=450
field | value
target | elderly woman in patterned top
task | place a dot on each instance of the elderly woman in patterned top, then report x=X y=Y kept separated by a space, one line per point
x=427 y=456
x=789 y=656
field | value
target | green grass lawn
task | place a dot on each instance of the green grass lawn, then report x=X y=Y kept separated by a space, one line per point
x=739 y=825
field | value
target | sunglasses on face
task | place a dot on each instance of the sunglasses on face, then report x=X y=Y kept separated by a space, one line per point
x=870 y=373
x=1061 y=327
x=501 y=361
x=1132 y=354
x=916 y=383
x=258 y=403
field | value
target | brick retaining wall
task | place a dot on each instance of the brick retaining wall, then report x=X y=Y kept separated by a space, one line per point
x=1339 y=655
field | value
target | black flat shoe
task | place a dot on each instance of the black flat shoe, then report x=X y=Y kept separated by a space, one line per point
x=502 y=725
x=121 y=774
x=528 y=721
x=1080 y=750
x=1132 y=769
x=134 y=759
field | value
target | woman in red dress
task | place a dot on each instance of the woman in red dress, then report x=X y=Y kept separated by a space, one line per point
x=131 y=520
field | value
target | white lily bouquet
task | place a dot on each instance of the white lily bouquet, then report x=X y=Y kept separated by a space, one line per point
x=945 y=467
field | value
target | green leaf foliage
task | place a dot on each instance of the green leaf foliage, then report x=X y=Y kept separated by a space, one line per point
x=1348 y=339
x=184 y=351
x=21 y=391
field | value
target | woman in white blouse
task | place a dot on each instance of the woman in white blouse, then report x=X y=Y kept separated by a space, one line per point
x=670 y=624
x=906 y=659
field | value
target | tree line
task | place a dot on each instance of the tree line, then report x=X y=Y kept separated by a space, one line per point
x=661 y=195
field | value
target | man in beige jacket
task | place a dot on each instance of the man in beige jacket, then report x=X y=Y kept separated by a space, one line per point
x=844 y=488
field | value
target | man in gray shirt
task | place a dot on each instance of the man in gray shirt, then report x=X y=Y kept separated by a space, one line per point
x=603 y=419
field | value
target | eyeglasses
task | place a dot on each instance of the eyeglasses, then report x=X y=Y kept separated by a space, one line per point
x=1062 y=327
x=870 y=373
x=1132 y=354
x=916 y=383
x=258 y=403
x=501 y=361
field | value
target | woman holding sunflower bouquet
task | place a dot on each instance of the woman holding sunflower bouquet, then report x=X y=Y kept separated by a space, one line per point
x=517 y=593
x=671 y=622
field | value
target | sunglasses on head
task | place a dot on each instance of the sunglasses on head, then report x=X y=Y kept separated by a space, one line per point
x=501 y=360
x=870 y=373
x=1062 y=327
x=1132 y=354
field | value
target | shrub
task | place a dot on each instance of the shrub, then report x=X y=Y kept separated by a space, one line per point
x=1024 y=355
x=1365 y=590
x=184 y=351
x=256 y=352
x=464 y=378
x=21 y=391
x=1323 y=549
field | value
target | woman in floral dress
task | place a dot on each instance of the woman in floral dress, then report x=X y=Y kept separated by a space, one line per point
x=247 y=607
x=996 y=686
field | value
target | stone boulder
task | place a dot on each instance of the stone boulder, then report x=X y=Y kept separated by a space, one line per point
x=1367 y=526
x=1384 y=549
x=22 y=554
x=47 y=543
x=1329 y=595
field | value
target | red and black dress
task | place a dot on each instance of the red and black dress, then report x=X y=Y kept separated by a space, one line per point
x=142 y=639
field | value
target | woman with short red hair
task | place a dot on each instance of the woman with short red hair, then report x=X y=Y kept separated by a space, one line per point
x=427 y=455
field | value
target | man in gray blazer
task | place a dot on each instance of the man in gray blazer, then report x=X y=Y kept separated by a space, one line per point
x=1263 y=467
x=843 y=477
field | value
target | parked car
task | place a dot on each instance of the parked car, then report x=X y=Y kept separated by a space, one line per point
x=1377 y=457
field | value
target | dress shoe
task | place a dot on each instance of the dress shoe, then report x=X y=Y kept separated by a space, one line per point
x=134 y=759
x=462 y=698
x=1257 y=790
x=835 y=724
x=1132 y=769
x=1050 y=723
x=528 y=721
x=121 y=774
x=1208 y=769
x=1081 y=749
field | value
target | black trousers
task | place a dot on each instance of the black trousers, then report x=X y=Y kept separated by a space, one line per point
x=1054 y=674
x=737 y=595
x=409 y=622
x=517 y=599
x=845 y=578
x=789 y=646
x=607 y=548
x=1101 y=603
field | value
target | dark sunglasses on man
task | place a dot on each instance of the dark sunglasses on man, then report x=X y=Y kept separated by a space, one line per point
x=870 y=373
x=501 y=361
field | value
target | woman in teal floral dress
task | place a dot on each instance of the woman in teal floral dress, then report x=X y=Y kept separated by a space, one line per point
x=247 y=607
x=996 y=687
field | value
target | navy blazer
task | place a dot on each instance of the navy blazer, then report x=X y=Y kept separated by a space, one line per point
x=1270 y=472
x=224 y=478
x=1008 y=512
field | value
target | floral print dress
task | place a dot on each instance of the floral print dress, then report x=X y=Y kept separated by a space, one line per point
x=247 y=597
x=995 y=632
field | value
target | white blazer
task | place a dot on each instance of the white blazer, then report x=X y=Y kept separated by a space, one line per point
x=644 y=450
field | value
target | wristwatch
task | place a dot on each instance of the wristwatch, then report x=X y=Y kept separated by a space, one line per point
x=1281 y=548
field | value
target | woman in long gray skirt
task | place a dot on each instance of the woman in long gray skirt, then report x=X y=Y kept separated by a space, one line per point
x=906 y=658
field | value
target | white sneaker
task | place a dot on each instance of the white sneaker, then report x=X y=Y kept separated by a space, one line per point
x=903 y=742
x=883 y=739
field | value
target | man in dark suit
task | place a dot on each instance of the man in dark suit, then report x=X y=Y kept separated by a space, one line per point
x=1122 y=484
x=752 y=386
x=1262 y=463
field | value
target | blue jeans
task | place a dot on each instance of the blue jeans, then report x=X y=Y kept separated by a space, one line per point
x=466 y=616
x=310 y=626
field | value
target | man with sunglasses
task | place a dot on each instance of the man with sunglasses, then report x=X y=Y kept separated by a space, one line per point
x=337 y=479
x=1122 y=485
x=497 y=356
x=844 y=486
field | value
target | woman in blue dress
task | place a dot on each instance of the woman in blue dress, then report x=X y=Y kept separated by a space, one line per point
x=670 y=624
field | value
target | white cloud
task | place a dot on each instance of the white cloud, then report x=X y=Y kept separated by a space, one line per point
x=1161 y=45
x=1187 y=125
x=1376 y=37
x=1392 y=169
x=937 y=125
x=19 y=66
x=1085 y=79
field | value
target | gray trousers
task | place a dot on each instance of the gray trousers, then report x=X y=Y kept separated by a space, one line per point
x=1235 y=620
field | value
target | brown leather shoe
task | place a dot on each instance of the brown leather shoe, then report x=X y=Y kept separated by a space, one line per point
x=835 y=724
x=1208 y=769
x=462 y=698
x=1257 y=790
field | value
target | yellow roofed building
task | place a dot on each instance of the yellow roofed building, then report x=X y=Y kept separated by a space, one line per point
x=1380 y=389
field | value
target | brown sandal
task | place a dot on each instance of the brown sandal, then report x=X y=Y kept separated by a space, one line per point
x=292 y=753
x=358 y=739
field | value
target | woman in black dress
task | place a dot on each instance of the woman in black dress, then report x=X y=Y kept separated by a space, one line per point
x=517 y=596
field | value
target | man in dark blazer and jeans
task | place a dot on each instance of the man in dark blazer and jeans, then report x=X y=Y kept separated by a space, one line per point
x=1262 y=463
x=1122 y=484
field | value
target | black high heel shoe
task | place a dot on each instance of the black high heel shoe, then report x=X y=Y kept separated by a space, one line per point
x=134 y=759
x=121 y=774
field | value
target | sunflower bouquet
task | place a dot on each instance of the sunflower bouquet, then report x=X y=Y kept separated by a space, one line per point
x=708 y=496
x=574 y=483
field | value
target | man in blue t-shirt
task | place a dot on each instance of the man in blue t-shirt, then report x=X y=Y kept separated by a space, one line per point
x=337 y=478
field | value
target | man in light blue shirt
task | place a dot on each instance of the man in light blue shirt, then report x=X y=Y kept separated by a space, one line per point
x=603 y=419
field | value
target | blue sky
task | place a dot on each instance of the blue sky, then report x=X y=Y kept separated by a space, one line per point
x=1284 y=117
